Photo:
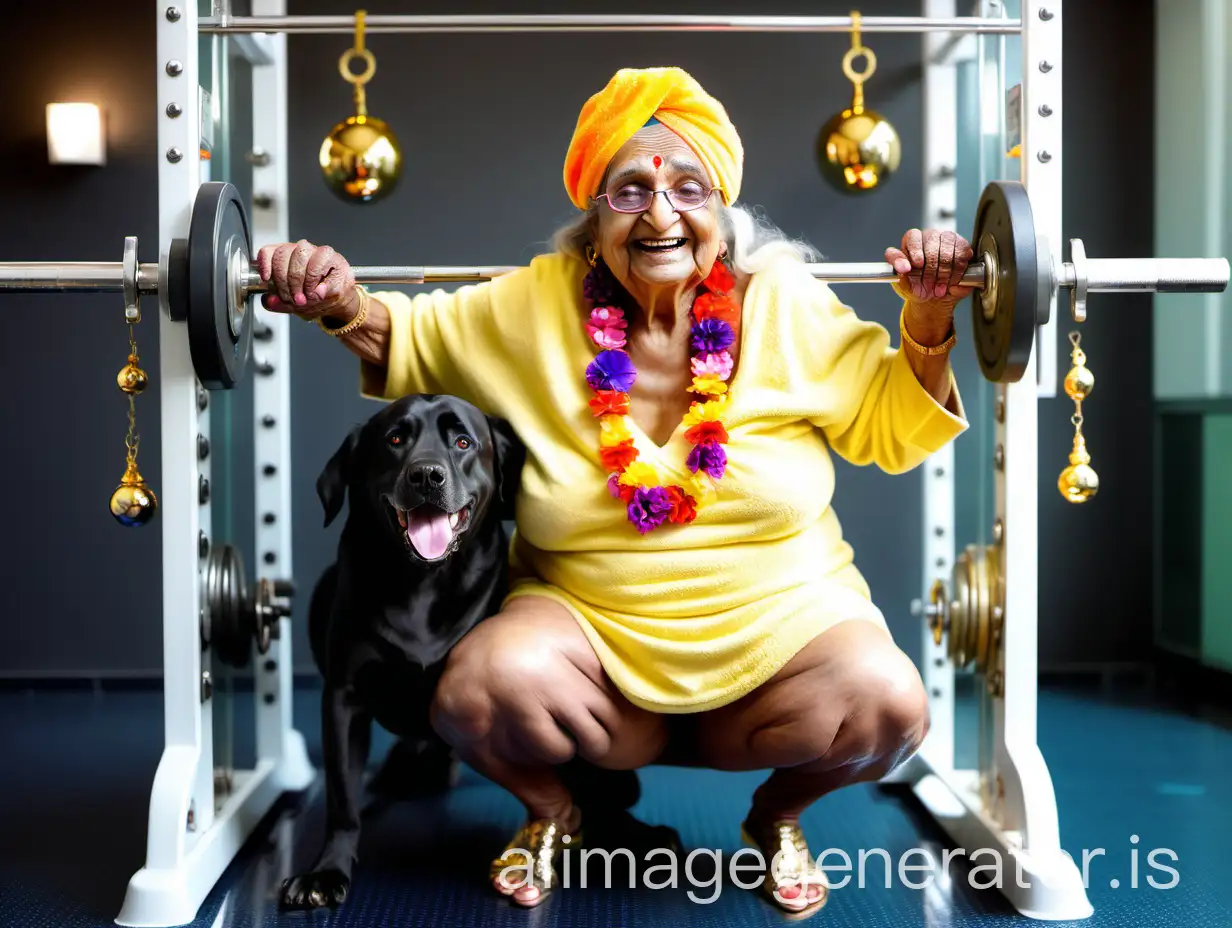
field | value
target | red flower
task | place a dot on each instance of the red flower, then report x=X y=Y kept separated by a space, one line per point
x=618 y=491
x=707 y=431
x=711 y=306
x=684 y=507
x=720 y=279
x=618 y=457
x=610 y=402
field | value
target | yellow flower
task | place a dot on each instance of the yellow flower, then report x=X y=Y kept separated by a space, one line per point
x=709 y=384
x=613 y=430
x=639 y=473
x=711 y=411
x=701 y=488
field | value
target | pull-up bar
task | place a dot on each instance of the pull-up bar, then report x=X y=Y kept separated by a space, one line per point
x=345 y=25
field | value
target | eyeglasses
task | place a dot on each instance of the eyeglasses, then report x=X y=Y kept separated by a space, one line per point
x=634 y=198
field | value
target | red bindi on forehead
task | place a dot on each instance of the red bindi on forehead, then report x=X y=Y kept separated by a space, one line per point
x=658 y=162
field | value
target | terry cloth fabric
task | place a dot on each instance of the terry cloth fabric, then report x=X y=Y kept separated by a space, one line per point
x=688 y=617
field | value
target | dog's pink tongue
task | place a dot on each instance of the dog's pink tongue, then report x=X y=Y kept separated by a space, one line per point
x=428 y=530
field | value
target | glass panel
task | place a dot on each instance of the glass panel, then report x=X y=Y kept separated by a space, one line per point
x=983 y=83
x=226 y=76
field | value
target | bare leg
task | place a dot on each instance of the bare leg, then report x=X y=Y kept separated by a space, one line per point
x=525 y=692
x=849 y=708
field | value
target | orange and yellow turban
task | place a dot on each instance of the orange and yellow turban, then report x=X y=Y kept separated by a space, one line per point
x=631 y=98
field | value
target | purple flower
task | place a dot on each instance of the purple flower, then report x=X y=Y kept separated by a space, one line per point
x=712 y=335
x=611 y=370
x=710 y=457
x=649 y=508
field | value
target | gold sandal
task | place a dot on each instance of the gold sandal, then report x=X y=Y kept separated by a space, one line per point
x=530 y=857
x=789 y=865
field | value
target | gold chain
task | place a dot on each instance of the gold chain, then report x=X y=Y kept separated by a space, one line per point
x=1079 y=358
x=132 y=439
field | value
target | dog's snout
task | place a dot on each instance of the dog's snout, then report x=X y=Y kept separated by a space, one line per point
x=425 y=476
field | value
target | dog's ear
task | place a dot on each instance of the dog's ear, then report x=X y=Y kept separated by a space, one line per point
x=509 y=454
x=334 y=479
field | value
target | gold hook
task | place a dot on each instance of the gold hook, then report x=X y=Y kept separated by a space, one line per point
x=857 y=50
x=358 y=51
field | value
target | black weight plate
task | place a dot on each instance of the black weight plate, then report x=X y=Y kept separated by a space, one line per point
x=230 y=625
x=1003 y=343
x=177 y=280
x=220 y=348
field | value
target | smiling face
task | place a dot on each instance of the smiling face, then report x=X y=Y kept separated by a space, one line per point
x=427 y=473
x=430 y=469
x=660 y=248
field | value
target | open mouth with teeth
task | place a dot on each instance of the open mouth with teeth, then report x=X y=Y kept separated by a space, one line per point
x=430 y=532
x=659 y=246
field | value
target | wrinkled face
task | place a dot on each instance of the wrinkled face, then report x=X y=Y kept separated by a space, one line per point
x=432 y=472
x=661 y=247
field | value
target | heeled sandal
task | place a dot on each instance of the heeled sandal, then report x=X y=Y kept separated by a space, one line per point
x=795 y=870
x=544 y=840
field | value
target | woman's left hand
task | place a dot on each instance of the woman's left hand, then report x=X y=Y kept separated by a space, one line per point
x=931 y=264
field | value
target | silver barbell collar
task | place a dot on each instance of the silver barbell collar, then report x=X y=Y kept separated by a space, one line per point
x=128 y=281
x=1078 y=292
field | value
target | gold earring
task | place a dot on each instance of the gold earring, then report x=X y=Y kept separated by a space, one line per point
x=133 y=503
x=1078 y=482
x=592 y=256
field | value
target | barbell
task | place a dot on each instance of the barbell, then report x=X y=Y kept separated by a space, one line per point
x=210 y=280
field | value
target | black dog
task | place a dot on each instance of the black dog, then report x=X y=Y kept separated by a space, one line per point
x=422 y=559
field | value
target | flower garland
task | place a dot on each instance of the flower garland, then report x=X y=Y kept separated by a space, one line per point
x=715 y=322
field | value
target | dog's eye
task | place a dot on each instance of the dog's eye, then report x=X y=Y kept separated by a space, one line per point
x=395 y=440
x=463 y=443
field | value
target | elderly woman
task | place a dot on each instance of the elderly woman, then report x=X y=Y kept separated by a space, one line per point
x=681 y=590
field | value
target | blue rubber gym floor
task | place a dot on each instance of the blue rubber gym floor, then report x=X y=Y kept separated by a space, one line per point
x=75 y=792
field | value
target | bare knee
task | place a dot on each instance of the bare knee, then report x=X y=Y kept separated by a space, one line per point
x=891 y=716
x=850 y=698
x=491 y=697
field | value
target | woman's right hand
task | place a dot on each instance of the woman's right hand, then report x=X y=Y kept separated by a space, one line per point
x=307 y=280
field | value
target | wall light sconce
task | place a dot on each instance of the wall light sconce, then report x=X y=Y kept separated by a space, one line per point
x=75 y=134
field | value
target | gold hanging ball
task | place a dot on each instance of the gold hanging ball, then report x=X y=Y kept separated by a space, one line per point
x=858 y=150
x=133 y=503
x=361 y=159
x=131 y=379
x=1078 y=483
x=1079 y=383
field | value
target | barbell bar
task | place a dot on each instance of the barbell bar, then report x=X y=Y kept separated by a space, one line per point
x=210 y=280
x=109 y=277
x=1103 y=275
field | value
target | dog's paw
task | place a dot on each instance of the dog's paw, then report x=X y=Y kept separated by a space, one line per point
x=315 y=890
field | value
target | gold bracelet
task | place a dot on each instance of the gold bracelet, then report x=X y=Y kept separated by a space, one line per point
x=354 y=323
x=911 y=343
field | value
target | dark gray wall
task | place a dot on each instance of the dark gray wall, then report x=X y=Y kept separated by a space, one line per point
x=1095 y=598
x=83 y=594
x=484 y=122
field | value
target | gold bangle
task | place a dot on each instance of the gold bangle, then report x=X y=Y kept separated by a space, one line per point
x=930 y=351
x=354 y=323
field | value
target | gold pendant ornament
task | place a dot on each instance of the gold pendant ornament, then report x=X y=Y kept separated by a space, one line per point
x=133 y=503
x=858 y=149
x=361 y=157
x=1078 y=482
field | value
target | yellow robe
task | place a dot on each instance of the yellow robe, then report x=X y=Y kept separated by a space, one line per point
x=686 y=618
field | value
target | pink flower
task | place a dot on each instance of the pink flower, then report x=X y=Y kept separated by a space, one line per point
x=606 y=327
x=713 y=364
